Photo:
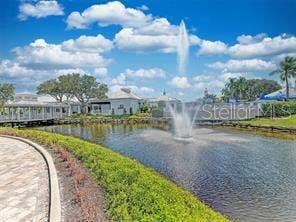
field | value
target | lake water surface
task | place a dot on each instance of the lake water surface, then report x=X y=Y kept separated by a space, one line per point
x=248 y=177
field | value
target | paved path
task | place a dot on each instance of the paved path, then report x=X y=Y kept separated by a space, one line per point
x=24 y=193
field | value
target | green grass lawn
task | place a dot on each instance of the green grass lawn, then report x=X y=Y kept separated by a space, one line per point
x=133 y=192
x=283 y=121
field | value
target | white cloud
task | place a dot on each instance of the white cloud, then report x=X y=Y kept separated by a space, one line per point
x=12 y=69
x=111 y=13
x=158 y=26
x=244 y=65
x=215 y=82
x=214 y=85
x=91 y=44
x=249 y=47
x=252 y=47
x=210 y=48
x=153 y=73
x=119 y=80
x=42 y=55
x=140 y=91
x=180 y=82
x=101 y=72
x=140 y=32
x=68 y=71
x=128 y=39
x=202 y=78
x=248 y=39
x=40 y=10
x=143 y=8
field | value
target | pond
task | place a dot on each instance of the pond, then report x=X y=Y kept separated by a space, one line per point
x=248 y=177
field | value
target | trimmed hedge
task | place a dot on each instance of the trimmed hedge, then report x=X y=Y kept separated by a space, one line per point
x=278 y=109
x=133 y=192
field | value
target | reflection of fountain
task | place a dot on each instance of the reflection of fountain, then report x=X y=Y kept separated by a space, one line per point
x=182 y=122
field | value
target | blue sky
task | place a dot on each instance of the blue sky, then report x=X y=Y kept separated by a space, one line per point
x=133 y=43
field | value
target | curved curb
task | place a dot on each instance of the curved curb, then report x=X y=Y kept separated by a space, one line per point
x=54 y=192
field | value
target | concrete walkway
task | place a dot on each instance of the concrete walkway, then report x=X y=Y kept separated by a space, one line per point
x=24 y=183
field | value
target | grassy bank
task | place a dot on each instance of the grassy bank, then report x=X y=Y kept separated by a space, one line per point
x=281 y=121
x=133 y=192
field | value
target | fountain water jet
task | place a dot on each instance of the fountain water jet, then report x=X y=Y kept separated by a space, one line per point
x=181 y=119
x=182 y=48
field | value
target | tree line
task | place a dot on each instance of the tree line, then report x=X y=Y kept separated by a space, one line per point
x=80 y=87
x=250 y=89
x=85 y=87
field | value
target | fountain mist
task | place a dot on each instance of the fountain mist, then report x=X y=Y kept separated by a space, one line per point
x=183 y=124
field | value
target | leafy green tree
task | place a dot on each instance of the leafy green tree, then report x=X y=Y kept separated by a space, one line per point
x=65 y=86
x=85 y=87
x=242 y=87
x=53 y=88
x=250 y=89
x=6 y=92
x=287 y=70
x=259 y=87
x=209 y=97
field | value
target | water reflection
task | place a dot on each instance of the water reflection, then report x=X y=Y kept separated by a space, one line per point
x=245 y=176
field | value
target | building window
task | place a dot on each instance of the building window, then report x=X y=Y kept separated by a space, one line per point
x=121 y=106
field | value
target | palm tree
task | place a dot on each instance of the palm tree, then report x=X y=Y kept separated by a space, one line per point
x=287 y=70
x=242 y=86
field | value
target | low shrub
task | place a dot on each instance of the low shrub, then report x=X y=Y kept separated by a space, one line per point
x=140 y=115
x=133 y=192
x=278 y=109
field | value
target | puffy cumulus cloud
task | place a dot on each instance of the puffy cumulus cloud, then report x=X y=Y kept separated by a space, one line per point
x=39 y=10
x=249 y=47
x=153 y=73
x=111 y=13
x=249 y=39
x=254 y=46
x=215 y=82
x=158 y=26
x=119 y=80
x=100 y=72
x=211 y=48
x=128 y=76
x=91 y=44
x=143 y=8
x=13 y=69
x=60 y=72
x=248 y=65
x=140 y=91
x=42 y=55
x=180 y=82
x=140 y=32
x=129 y=39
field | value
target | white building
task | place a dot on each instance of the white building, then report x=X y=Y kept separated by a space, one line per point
x=29 y=107
x=117 y=103
x=164 y=102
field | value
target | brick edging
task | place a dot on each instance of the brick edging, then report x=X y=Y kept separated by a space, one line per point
x=54 y=212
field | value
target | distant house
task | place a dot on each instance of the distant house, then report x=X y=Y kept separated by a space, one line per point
x=164 y=102
x=117 y=103
x=30 y=107
x=279 y=95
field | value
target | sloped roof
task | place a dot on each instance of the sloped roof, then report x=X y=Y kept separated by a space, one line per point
x=163 y=98
x=123 y=94
x=282 y=93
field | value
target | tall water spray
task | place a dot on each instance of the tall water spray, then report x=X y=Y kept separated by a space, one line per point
x=182 y=122
x=182 y=48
